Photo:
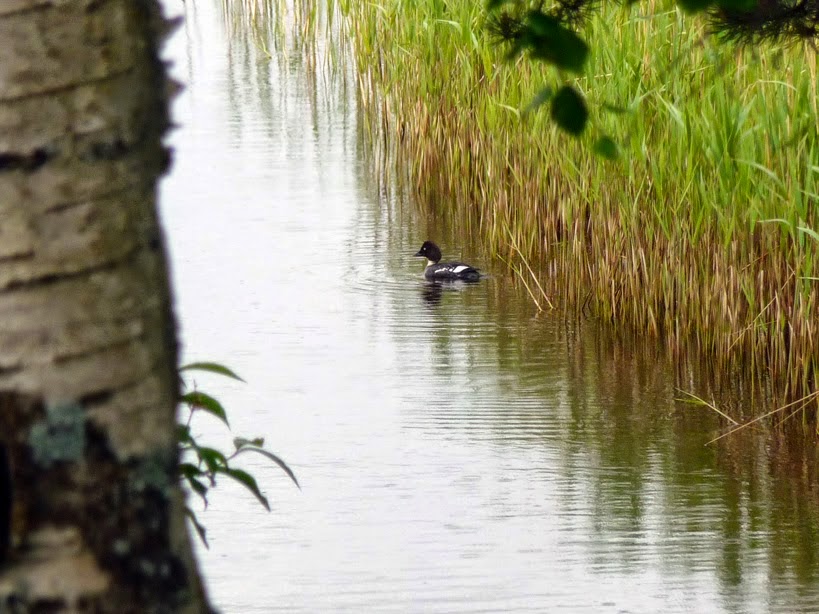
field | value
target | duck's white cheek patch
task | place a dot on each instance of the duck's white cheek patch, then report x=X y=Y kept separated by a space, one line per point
x=458 y=269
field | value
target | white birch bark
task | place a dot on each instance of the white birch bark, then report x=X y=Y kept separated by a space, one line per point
x=88 y=383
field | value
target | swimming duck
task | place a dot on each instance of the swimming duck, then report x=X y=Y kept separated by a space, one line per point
x=445 y=271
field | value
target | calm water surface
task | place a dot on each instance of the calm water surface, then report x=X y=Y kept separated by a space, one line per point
x=457 y=453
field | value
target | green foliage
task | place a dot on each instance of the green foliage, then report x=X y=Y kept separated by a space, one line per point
x=551 y=35
x=569 y=110
x=209 y=463
x=694 y=6
x=210 y=367
x=546 y=39
x=542 y=97
x=606 y=147
x=201 y=401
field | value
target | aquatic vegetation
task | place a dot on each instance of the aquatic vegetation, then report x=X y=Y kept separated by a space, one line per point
x=704 y=233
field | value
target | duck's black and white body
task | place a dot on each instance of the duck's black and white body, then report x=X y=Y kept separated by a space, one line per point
x=445 y=271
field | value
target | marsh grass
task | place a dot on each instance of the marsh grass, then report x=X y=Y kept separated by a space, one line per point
x=703 y=233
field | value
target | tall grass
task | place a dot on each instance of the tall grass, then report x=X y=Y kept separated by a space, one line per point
x=704 y=233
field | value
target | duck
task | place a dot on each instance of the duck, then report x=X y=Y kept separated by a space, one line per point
x=445 y=271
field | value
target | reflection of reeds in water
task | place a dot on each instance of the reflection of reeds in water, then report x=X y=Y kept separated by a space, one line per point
x=756 y=496
x=287 y=63
x=702 y=235
x=285 y=24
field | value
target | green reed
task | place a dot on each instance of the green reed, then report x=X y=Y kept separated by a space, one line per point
x=704 y=232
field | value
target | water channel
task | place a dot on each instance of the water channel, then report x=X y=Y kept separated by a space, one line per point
x=457 y=451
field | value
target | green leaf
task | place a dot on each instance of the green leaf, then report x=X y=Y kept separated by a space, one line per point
x=518 y=45
x=512 y=110
x=569 y=110
x=183 y=434
x=190 y=470
x=210 y=367
x=200 y=530
x=249 y=482
x=550 y=41
x=613 y=108
x=694 y=6
x=213 y=459
x=776 y=220
x=272 y=457
x=542 y=97
x=491 y=5
x=607 y=148
x=241 y=442
x=200 y=488
x=737 y=6
x=200 y=400
x=190 y=473
x=809 y=231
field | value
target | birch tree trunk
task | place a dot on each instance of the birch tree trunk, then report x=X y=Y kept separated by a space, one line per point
x=88 y=383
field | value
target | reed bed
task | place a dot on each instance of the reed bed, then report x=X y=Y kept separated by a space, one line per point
x=703 y=233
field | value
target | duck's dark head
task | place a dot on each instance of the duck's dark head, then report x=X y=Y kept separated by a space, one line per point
x=430 y=251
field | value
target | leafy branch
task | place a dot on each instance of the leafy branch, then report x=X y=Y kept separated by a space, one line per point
x=548 y=32
x=208 y=463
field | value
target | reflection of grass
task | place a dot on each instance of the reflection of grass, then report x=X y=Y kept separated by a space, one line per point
x=793 y=408
x=786 y=412
x=744 y=498
x=702 y=234
x=692 y=398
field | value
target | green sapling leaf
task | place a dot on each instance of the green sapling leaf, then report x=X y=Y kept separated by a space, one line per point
x=249 y=482
x=211 y=367
x=272 y=457
x=205 y=402
x=607 y=148
x=569 y=110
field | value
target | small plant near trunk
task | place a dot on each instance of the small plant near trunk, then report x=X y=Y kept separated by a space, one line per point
x=201 y=465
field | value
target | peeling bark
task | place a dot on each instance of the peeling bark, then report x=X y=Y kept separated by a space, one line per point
x=92 y=512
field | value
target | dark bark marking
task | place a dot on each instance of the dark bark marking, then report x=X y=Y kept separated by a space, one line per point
x=125 y=521
x=111 y=149
x=63 y=358
x=29 y=162
x=17 y=413
x=6 y=497
x=47 y=606
x=59 y=89
x=53 y=278
x=103 y=396
x=27 y=255
x=10 y=370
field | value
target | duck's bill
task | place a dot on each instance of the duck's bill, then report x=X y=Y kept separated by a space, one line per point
x=419 y=255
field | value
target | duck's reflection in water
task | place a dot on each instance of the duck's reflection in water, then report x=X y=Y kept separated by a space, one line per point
x=432 y=292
